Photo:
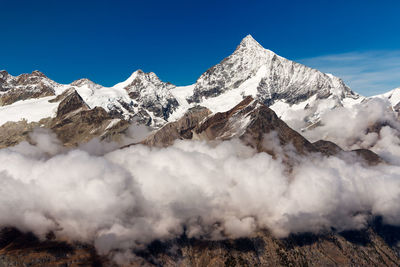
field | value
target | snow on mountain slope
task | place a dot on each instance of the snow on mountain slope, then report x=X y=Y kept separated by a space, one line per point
x=296 y=92
x=33 y=109
x=393 y=97
x=150 y=93
x=282 y=78
x=142 y=97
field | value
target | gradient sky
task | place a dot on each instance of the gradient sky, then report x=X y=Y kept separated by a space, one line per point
x=106 y=41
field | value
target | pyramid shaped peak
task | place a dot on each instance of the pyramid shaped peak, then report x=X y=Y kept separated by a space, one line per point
x=249 y=42
x=249 y=38
x=138 y=74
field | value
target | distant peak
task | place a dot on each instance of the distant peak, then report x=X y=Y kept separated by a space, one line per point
x=136 y=74
x=38 y=73
x=81 y=82
x=139 y=71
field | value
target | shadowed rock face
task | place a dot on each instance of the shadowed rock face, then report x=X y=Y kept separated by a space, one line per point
x=180 y=129
x=256 y=125
x=351 y=248
x=72 y=101
x=331 y=149
x=374 y=246
x=24 y=249
x=251 y=121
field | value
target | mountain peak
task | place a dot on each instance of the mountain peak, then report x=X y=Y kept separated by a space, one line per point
x=249 y=40
x=249 y=43
x=38 y=73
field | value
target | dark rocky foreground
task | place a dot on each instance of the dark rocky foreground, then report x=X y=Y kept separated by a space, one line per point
x=373 y=246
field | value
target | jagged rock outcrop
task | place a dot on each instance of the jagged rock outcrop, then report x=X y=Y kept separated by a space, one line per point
x=71 y=102
x=24 y=86
x=251 y=121
x=76 y=123
x=150 y=93
x=255 y=125
x=180 y=129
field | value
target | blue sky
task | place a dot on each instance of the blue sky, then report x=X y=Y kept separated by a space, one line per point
x=106 y=41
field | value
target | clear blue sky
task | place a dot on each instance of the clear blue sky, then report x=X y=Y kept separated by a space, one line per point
x=106 y=41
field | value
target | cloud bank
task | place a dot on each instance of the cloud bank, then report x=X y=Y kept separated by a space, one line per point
x=367 y=73
x=130 y=197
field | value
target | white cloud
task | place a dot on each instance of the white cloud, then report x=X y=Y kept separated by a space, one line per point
x=368 y=73
x=127 y=198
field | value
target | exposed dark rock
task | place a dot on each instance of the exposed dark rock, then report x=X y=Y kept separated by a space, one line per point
x=180 y=129
x=71 y=102
x=327 y=148
x=251 y=122
x=370 y=157
x=24 y=86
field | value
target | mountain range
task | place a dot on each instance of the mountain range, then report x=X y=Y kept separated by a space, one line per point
x=251 y=70
x=274 y=106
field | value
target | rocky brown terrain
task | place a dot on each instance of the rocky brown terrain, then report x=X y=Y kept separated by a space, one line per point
x=251 y=122
x=75 y=123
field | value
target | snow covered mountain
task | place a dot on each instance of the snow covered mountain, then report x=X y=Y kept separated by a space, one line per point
x=256 y=121
x=289 y=88
x=24 y=86
x=273 y=77
x=142 y=97
x=298 y=94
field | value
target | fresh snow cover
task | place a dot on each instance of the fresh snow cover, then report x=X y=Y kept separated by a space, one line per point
x=392 y=96
x=221 y=103
x=98 y=96
x=282 y=79
x=32 y=110
x=181 y=94
x=293 y=91
x=127 y=81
